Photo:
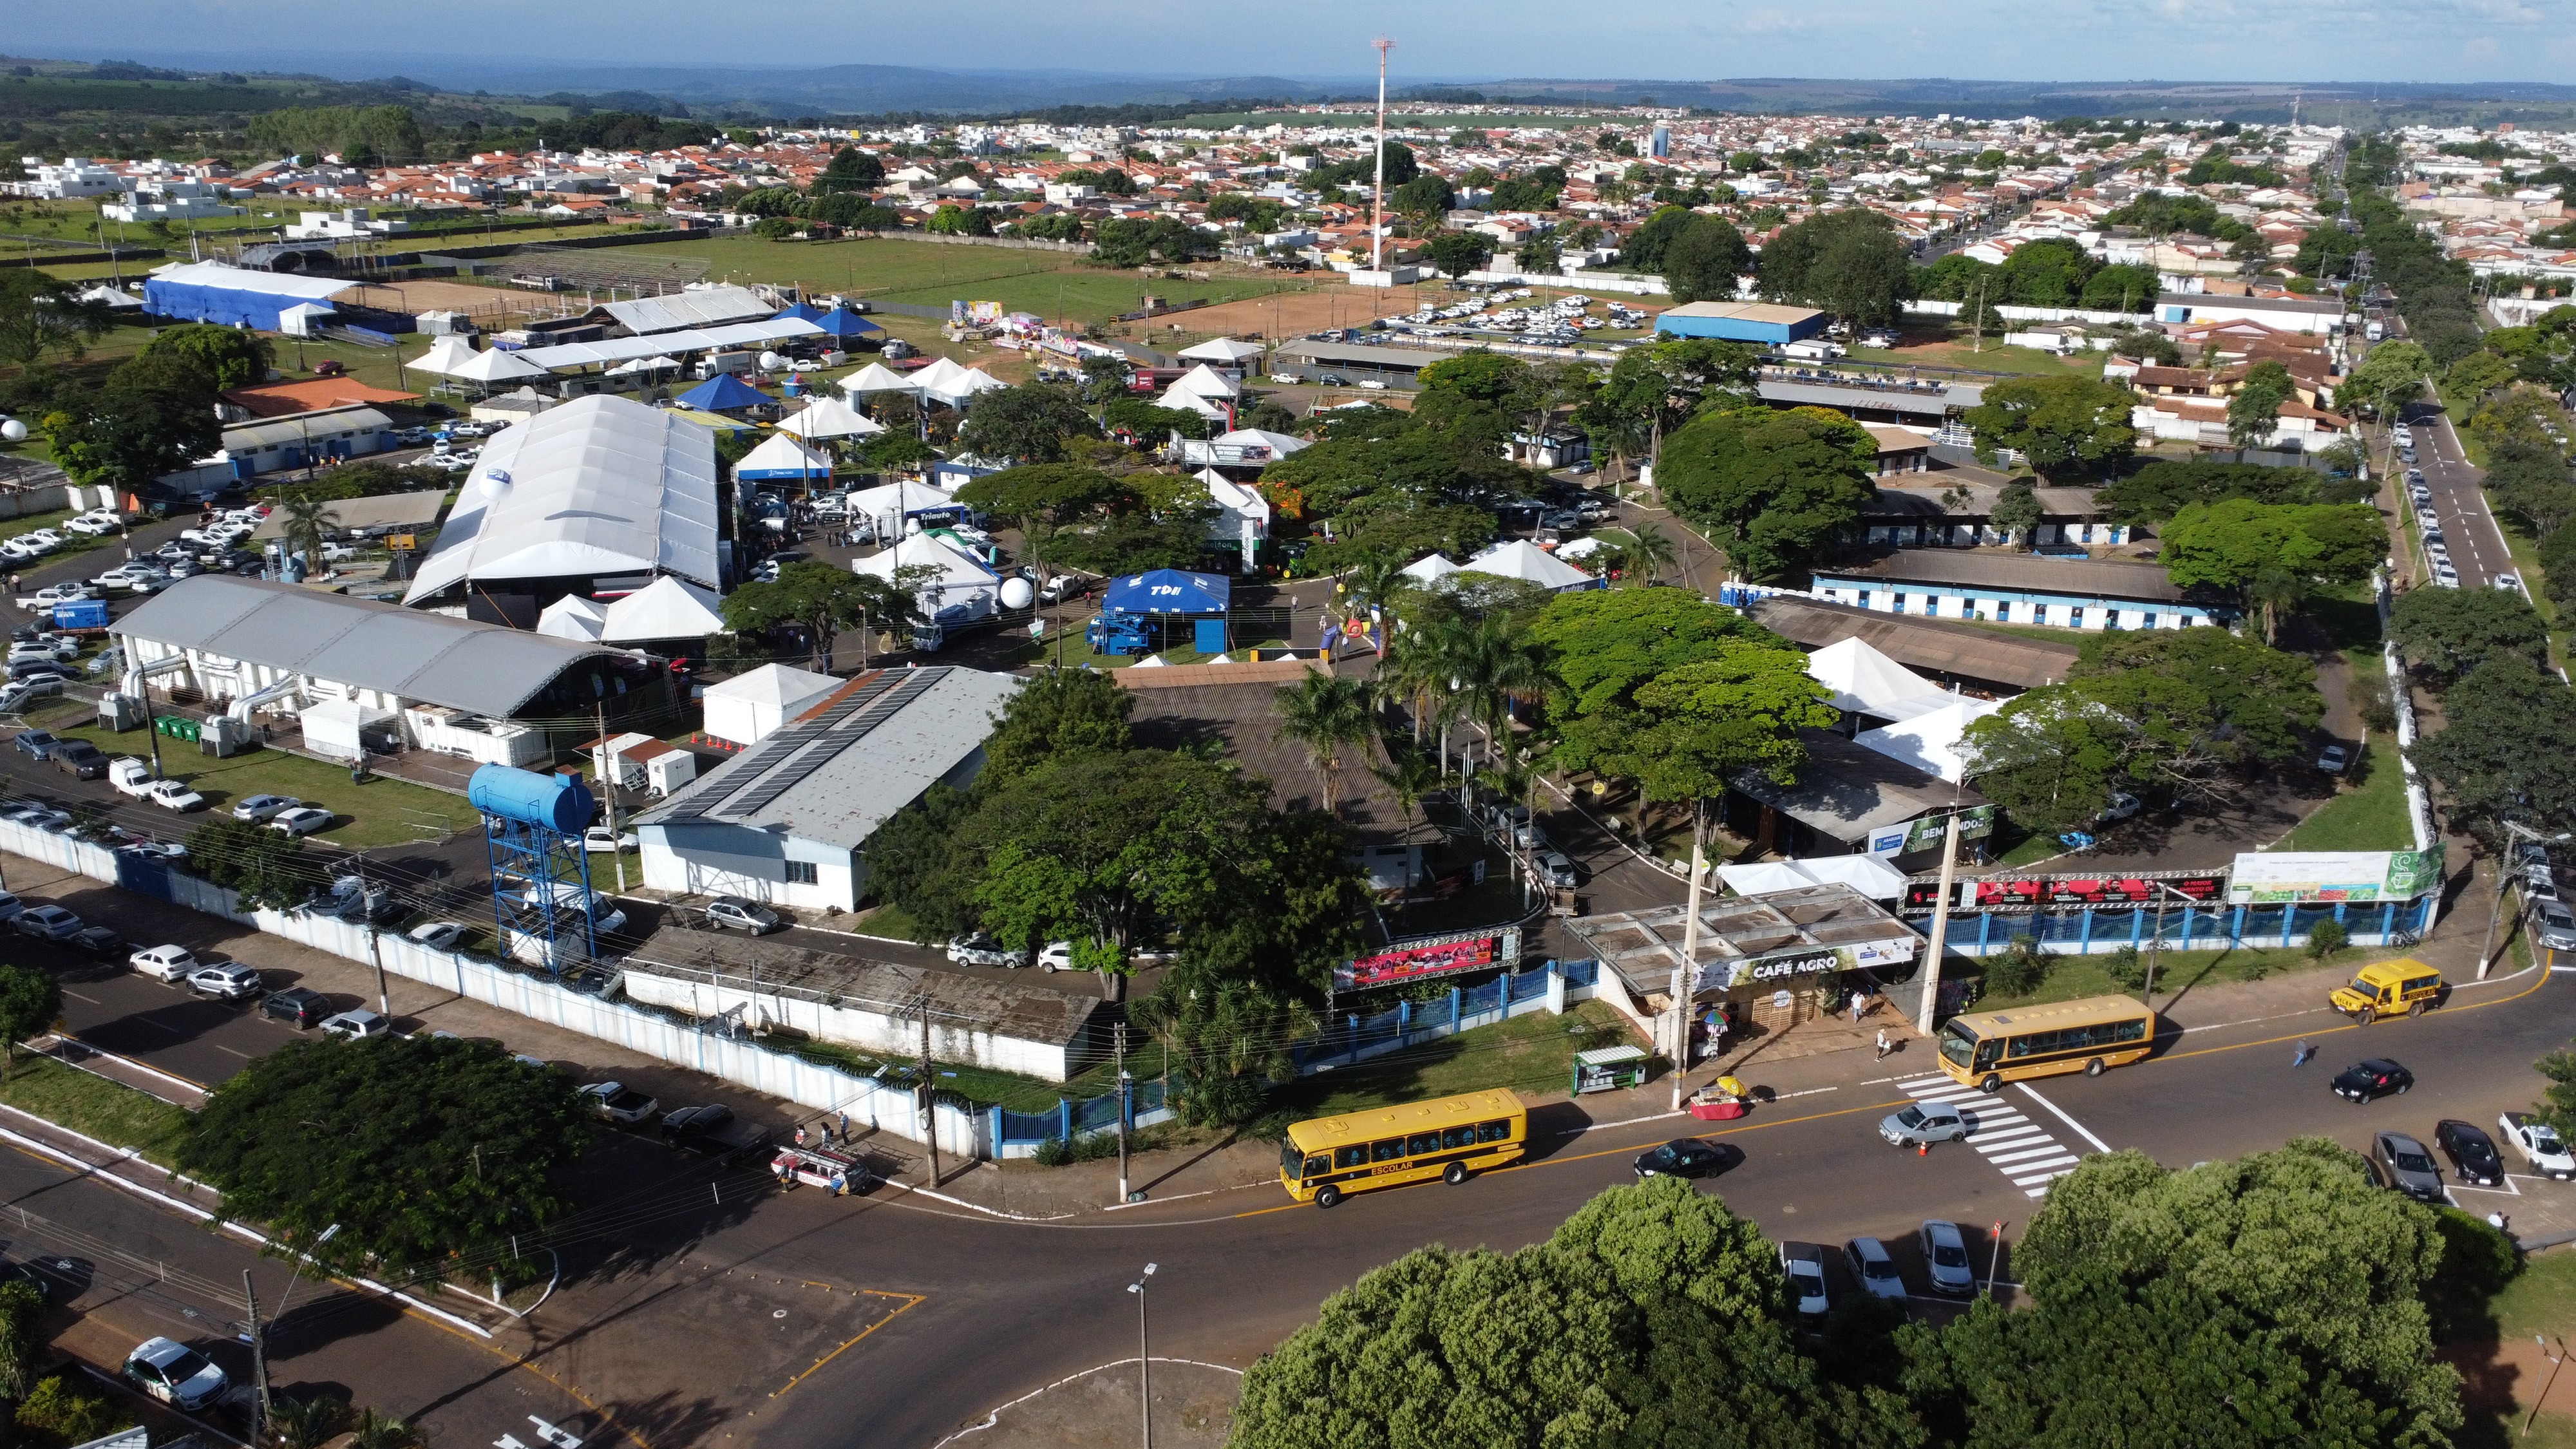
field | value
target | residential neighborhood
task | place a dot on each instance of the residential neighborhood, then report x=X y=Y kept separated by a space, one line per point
x=679 y=772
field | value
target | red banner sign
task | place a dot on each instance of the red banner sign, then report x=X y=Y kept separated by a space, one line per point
x=1434 y=960
x=2066 y=891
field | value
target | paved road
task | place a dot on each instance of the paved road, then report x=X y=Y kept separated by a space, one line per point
x=2459 y=500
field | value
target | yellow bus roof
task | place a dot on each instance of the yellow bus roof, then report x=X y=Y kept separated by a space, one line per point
x=2050 y=1015
x=1379 y=1122
x=2404 y=968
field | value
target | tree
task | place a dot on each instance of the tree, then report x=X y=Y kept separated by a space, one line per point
x=1648 y=552
x=1652 y=1316
x=2016 y=512
x=2285 y=1282
x=851 y=170
x=378 y=1431
x=2233 y=544
x=1042 y=498
x=41 y=316
x=54 y=1412
x=1456 y=253
x=824 y=599
x=2529 y=479
x=1705 y=259
x=2254 y=409
x=2503 y=751
x=31 y=1001
x=1025 y=424
x=2163 y=488
x=2055 y=423
x=2044 y=272
x=1426 y=197
x=230 y=356
x=2392 y=373
x=1848 y=262
x=305 y=520
x=308 y=1423
x=1324 y=713
x=1654 y=389
x=2448 y=632
x=427 y=1147
x=1058 y=713
x=2123 y=287
x=263 y=867
x=154 y=415
x=1779 y=487
x=22 y=1337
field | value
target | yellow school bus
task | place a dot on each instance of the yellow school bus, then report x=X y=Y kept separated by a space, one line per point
x=1326 y=1158
x=1991 y=1048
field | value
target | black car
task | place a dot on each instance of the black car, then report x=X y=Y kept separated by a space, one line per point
x=80 y=759
x=2377 y=1077
x=1688 y=1157
x=98 y=941
x=2472 y=1152
x=683 y=1122
x=298 y=1006
x=35 y=744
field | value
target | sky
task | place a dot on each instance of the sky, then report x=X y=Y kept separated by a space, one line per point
x=2040 y=40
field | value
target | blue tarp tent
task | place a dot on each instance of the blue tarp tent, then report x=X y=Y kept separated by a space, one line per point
x=724 y=393
x=1168 y=591
x=842 y=322
x=802 y=312
x=233 y=296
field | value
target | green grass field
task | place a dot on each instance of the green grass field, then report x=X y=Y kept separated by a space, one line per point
x=96 y=1107
x=2370 y=815
x=1532 y=1053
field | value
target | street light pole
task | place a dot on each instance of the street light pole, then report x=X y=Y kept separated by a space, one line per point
x=1144 y=1362
x=2504 y=877
x=2155 y=948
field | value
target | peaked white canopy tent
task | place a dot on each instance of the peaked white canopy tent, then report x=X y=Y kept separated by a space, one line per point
x=1865 y=681
x=1521 y=559
x=1867 y=874
x=829 y=417
x=1223 y=351
x=1931 y=741
x=876 y=377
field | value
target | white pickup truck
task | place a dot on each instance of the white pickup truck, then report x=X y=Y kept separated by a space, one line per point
x=2538 y=1143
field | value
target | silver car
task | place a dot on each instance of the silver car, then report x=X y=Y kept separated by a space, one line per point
x=1923 y=1123
x=1945 y=1257
x=1868 y=1261
x=1805 y=1265
x=2555 y=926
x=230 y=981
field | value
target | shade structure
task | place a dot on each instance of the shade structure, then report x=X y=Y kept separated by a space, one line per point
x=957 y=589
x=842 y=322
x=666 y=608
x=443 y=357
x=1223 y=351
x=750 y=707
x=1430 y=568
x=1168 y=591
x=574 y=617
x=1865 y=681
x=782 y=456
x=1931 y=741
x=876 y=377
x=1526 y=561
x=803 y=312
x=1194 y=402
x=947 y=382
x=599 y=487
x=496 y=366
x=1867 y=874
x=829 y=417
x=1207 y=382
x=723 y=393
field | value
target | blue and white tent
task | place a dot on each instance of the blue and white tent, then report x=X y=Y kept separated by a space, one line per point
x=234 y=296
x=724 y=393
x=1168 y=591
x=783 y=458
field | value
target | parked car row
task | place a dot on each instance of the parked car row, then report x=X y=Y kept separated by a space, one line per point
x=298 y=1006
x=1944 y=1250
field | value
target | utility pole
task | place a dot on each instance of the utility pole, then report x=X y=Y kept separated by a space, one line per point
x=1977 y=337
x=258 y=1363
x=929 y=1098
x=1685 y=971
x=1126 y=1097
x=1377 y=194
x=608 y=793
x=1940 y=927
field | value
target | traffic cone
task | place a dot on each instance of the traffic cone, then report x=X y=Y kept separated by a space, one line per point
x=1922 y=1149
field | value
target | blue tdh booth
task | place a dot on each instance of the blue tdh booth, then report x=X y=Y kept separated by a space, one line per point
x=1141 y=612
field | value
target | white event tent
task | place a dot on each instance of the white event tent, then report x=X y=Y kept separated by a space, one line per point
x=829 y=417
x=1867 y=874
x=958 y=588
x=1223 y=351
x=1864 y=681
x=1930 y=741
x=876 y=377
x=1521 y=559
x=747 y=708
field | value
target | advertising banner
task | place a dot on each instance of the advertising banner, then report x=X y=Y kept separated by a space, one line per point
x=2267 y=878
x=1926 y=834
x=1800 y=964
x=1431 y=956
x=2064 y=891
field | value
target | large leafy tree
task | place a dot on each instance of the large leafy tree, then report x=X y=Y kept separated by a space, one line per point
x=1042 y=499
x=2448 y=632
x=41 y=316
x=230 y=356
x=1030 y=423
x=31 y=1000
x=1705 y=259
x=2254 y=409
x=154 y=415
x=1653 y=390
x=824 y=599
x=1060 y=712
x=2166 y=486
x=1652 y=1316
x=851 y=169
x=419 y=1148
x=1847 y=262
x=1776 y=487
x=2285 y=1284
x=2270 y=555
x=1603 y=645
x=2392 y=373
x=2057 y=424
x=2504 y=750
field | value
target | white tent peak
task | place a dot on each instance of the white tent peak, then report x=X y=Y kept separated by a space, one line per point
x=667 y=608
x=1867 y=874
x=1430 y=568
x=1930 y=741
x=1865 y=681
x=1521 y=559
x=1223 y=351
x=574 y=617
x=877 y=377
x=829 y=417
x=1206 y=381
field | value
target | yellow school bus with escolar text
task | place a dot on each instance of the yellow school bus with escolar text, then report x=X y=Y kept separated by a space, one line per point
x=1328 y=1158
x=1991 y=1048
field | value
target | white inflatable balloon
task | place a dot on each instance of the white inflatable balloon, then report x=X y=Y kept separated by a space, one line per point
x=13 y=431
x=1016 y=593
x=771 y=362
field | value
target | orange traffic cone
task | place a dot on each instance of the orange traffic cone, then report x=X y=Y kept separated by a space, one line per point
x=1922 y=1149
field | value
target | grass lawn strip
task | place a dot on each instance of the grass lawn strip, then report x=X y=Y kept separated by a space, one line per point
x=2369 y=816
x=1532 y=1053
x=2072 y=977
x=96 y=1107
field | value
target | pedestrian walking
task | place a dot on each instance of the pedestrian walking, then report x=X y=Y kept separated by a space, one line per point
x=1882 y=1045
x=2300 y=1057
x=845 y=1126
x=1858 y=1004
x=800 y=1134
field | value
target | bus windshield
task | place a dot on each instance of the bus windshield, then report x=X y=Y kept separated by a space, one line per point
x=1958 y=1044
x=1292 y=1162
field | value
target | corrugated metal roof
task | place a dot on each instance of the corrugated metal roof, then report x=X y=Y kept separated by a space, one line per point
x=702 y=307
x=1931 y=645
x=601 y=486
x=850 y=762
x=695 y=339
x=430 y=658
x=337 y=422
x=2035 y=573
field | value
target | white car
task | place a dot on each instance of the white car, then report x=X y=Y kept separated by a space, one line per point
x=599 y=838
x=176 y=1374
x=357 y=1025
x=263 y=807
x=437 y=935
x=171 y=795
x=44 y=599
x=2539 y=1145
x=96 y=523
x=51 y=922
x=1869 y=1264
x=164 y=963
x=1057 y=956
x=230 y=981
x=1556 y=869
x=302 y=820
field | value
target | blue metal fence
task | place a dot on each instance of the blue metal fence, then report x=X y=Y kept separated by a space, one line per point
x=2099 y=929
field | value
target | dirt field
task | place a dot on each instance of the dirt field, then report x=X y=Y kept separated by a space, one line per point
x=484 y=304
x=1193 y=1409
x=1333 y=303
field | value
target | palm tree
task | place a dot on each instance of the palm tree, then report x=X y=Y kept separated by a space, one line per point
x=1408 y=777
x=376 y=1431
x=1492 y=665
x=307 y=518
x=1324 y=712
x=306 y=1423
x=1648 y=553
x=1374 y=582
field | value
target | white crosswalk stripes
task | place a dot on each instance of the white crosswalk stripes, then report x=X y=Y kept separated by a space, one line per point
x=2021 y=1149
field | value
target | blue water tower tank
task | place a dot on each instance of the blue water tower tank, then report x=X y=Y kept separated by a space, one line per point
x=559 y=803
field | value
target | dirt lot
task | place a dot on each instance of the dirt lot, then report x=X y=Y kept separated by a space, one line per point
x=1193 y=1409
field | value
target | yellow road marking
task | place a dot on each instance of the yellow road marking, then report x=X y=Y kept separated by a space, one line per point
x=910 y=1302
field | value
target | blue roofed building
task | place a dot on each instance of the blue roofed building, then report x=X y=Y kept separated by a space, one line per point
x=1769 y=324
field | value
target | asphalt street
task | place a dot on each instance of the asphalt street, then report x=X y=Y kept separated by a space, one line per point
x=2468 y=527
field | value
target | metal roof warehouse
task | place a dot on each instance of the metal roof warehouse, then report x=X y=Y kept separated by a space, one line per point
x=784 y=820
x=2018 y=588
